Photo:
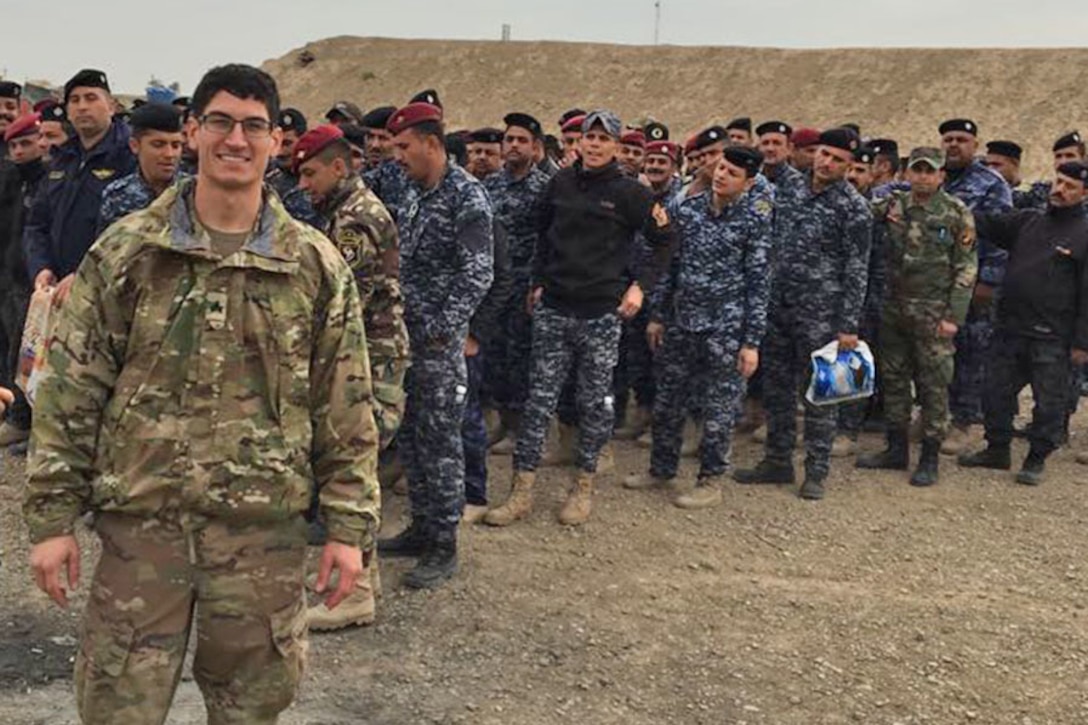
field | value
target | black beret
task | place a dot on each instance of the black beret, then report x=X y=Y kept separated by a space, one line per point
x=10 y=89
x=751 y=160
x=884 y=147
x=840 y=138
x=51 y=111
x=856 y=128
x=744 y=124
x=524 y=120
x=710 y=136
x=774 y=127
x=486 y=135
x=568 y=115
x=1074 y=170
x=291 y=119
x=1070 y=139
x=428 y=96
x=182 y=102
x=378 y=117
x=455 y=147
x=864 y=155
x=156 y=117
x=1008 y=149
x=354 y=135
x=86 y=78
x=345 y=110
x=655 y=131
x=958 y=124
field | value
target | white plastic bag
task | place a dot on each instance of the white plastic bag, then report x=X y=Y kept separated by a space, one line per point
x=839 y=377
x=34 y=347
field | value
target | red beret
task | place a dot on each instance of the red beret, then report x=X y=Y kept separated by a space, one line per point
x=26 y=125
x=691 y=144
x=313 y=142
x=633 y=138
x=803 y=137
x=573 y=124
x=412 y=115
x=663 y=148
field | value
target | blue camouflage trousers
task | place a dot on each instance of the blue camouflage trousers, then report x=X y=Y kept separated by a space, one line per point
x=635 y=370
x=506 y=369
x=429 y=439
x=474 y=434
x=702 y=365
x=561 y=343
x=792 y=335
x=973 y=342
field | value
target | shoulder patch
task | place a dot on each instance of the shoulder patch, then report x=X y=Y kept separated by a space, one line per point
x=103 y=174
x=763 y=207
x=56 y=175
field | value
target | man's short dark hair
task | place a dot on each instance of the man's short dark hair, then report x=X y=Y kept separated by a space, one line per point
x=241 y=81
x=893 y=161
x=431 y=128
x=338 y=149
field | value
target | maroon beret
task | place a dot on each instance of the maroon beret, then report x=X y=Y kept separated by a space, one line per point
x=313 y=142
x=573 y=124
x=803 y=137
x=412 y=115
x=25 y=125
x=634 y=138
x=663 y=148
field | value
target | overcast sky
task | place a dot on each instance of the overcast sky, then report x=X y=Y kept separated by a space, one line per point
x=134 y=39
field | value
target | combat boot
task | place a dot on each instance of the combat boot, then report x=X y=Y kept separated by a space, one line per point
x=473 y=513
x=896 y=457
x=997 y=457
x=606 y=460
x=644 y=482
x=759 y=435
x=520 y=503
x=926 y=472
x=579 y=503
x=638 y=424
x=1031 y=473
x=813 y=488
x=766 y=471
x=693 y=438
x=843 y=447
x=707 y=493
x=563 y=442
x=957 y=441
x=413 y=541
x=438 y=564
x=356 y=610
x=11 y=434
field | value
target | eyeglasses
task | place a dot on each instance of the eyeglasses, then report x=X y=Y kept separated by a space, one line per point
x=222 y=125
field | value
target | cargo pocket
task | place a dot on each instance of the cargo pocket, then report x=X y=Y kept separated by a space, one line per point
x=288 y=630
x=101 y=662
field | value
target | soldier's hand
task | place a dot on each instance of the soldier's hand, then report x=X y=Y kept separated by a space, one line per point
x=472 y=347
x=63 y=288
x=847 y=341
x=48 y=558
x=348 y=560
x=44 y=280
x=6 y=398
x=947 y=330
x=631 y=302
x=655 y=333
x=534 y=297
x=748 y=362
x=1079 y=357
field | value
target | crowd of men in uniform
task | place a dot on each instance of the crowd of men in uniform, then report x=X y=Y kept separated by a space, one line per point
x=258 y=315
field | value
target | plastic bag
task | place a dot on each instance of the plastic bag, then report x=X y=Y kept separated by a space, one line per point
x=35 y=344
x=838 y=377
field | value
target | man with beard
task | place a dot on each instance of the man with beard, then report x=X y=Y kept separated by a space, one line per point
x=484 y=152
x=805 y=142
x=378 y=138
x=662 y=169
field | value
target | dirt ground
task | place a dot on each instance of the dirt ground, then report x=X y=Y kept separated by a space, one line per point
x=883 y=604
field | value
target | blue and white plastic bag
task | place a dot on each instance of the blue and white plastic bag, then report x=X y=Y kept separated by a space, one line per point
x=839 y=377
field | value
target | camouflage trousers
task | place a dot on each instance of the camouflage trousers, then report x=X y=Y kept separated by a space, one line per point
x=245 y=584
x=1017 y=361
x=429 y=440
x=474 y=434
x=591 y=348
x=387 y=370
x=702 y=364
x=911 y=352
x=973 y=342
x=635 y=369
x=506 y=373
x=792 y=335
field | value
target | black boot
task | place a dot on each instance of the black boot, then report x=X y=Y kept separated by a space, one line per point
x=437 y=564
x=997 y=457
x=896 y=457
x=766 y=471
x=413 y=541
x=813 y=488
x=926 y=473
x=1031 y=474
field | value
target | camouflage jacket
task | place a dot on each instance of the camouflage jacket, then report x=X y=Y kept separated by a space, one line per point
x=122 y=197
x=446 y=257
x=719 y=276
x=390 y=184
x=984 y=192
x=514 y=201
x=929 y=252
x=183 y=383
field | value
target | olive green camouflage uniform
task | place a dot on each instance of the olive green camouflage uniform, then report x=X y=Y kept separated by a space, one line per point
x=932 y=262
x=193 y=402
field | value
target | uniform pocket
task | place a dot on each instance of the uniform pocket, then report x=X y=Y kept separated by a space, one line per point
x=287 y=628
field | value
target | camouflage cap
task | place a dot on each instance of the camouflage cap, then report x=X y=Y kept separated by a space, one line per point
x=607 y=120
x=934 y=157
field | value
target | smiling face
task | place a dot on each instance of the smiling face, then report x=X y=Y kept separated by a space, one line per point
x=658 y=169
x=234 y=159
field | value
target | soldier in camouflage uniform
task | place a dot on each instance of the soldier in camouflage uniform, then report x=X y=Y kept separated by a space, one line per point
x=203 y=382
x=820 y=271
x=708 y=315
x=363 y=231
x=929 y=241
x=445 y=272
x=387 y=180
x=157 y=140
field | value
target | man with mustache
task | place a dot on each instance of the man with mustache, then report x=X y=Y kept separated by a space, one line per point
x=10 y=95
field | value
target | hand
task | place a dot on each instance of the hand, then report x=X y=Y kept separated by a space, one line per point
x=847 y=342
x=655 y=333
x=983 y=296
x=47 y=558
x=631 y=302
x=472 y=348
x=748 y=362
x=947 y=330
x=44 y=280
x=1079 y=357
x=534 y=297
x=6 y=398
x=348 y=560
x=63 y=289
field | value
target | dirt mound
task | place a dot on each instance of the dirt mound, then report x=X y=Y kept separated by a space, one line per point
x=1024 y=95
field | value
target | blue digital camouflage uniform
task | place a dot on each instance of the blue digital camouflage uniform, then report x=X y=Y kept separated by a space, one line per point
x=122 y=197
x=391 y=184
x=296 y=201
x=821 y=262
x=445 y=272
x=712 y=303
x=984 y=192
x=1031 y=196
x=506 y=378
